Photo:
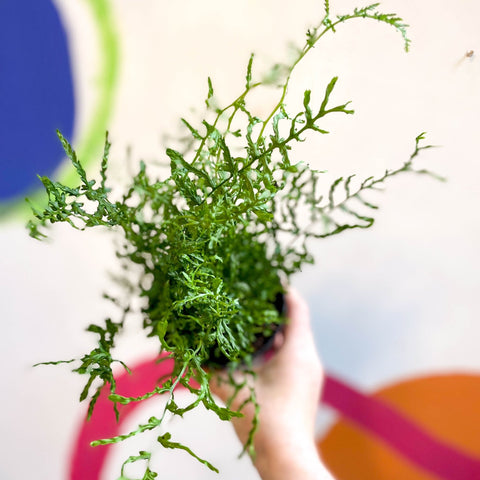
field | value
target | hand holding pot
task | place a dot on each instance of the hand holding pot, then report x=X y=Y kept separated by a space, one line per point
x=287 y=389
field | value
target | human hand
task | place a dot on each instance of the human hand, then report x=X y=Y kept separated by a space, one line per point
x=287 y=388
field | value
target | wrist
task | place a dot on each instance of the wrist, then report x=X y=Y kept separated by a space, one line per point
x=290 y=460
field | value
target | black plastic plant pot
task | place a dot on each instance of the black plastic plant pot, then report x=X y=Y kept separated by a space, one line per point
x=262 y=344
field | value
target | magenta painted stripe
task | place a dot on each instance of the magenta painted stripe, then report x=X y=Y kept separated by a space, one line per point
x=396 y=430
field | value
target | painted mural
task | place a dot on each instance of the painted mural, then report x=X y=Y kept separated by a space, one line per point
x=37 y=92
x=395 y=313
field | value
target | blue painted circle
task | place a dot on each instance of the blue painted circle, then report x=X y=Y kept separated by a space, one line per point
x=36 y=94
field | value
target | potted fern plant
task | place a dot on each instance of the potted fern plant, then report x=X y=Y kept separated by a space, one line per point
x=214 y=241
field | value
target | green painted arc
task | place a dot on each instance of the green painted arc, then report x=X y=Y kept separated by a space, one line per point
x=93 y=139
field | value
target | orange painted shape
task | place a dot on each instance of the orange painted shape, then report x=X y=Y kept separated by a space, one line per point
x=446 y=406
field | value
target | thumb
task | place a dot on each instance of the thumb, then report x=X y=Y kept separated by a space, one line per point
x=298 y=332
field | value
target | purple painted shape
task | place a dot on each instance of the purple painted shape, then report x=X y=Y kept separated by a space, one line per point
x=396 y=430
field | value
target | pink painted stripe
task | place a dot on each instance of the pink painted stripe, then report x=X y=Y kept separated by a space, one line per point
x=396 y=430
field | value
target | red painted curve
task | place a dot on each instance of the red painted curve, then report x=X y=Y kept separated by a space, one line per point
x=371 y=414
x=87 y=462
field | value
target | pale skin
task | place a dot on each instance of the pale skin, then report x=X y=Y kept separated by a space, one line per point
x=287 y=387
